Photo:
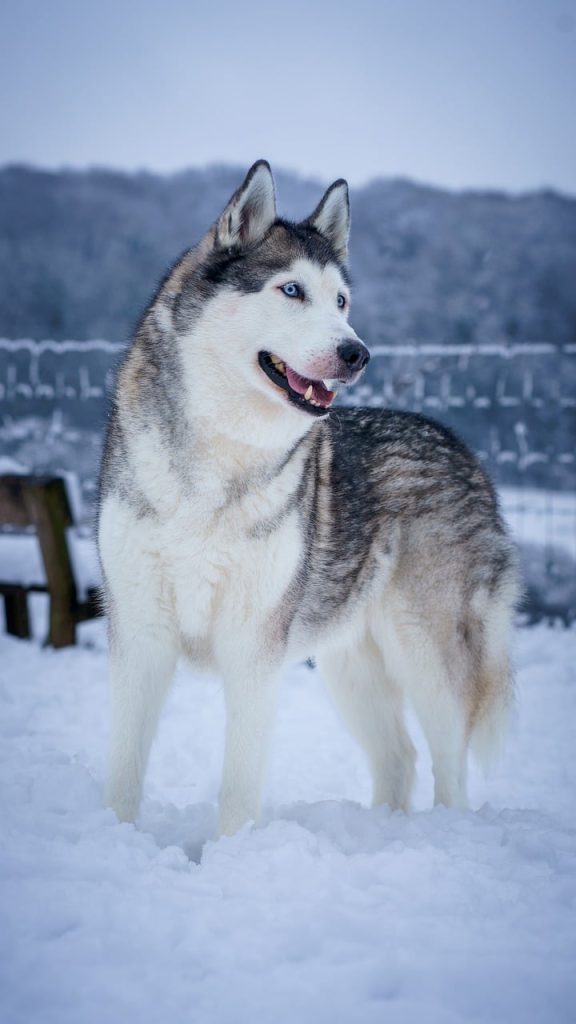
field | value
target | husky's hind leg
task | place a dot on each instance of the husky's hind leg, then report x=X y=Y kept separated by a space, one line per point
x=436 y=677
x=143 y=657
x=432 y=660
x=460 y=684
x=444 y=721
x=371 y=706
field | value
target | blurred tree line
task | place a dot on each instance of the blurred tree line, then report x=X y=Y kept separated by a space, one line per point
x=81 y=253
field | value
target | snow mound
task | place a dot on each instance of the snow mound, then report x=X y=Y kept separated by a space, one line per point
x=327 y=912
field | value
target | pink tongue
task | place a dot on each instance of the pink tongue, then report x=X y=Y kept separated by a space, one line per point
x=300 y=384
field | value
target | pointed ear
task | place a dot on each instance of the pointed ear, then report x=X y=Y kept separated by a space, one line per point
x=251 y=210
x=332 y=218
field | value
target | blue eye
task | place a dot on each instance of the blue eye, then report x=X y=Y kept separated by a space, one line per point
x=341 y=300
x=292 y=290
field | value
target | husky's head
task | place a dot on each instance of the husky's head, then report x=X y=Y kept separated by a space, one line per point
x=261 y=307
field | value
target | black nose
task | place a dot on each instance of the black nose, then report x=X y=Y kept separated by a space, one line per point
x=353 y=353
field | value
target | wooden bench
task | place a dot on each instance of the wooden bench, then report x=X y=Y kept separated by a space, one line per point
x=42 y=503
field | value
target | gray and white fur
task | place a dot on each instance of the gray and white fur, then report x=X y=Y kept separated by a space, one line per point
x=245 y=523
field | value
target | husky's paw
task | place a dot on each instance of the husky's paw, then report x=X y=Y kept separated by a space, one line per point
x=232 y=816
x=125 y=807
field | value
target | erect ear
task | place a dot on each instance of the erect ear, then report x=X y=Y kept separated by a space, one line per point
x=251 y=210
x=332 y=217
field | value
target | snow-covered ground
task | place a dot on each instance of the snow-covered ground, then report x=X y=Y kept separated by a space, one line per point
x=327 y=913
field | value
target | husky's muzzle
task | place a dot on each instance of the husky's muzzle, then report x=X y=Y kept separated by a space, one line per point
x=314 y=396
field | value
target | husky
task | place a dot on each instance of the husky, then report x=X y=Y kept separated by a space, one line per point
x=245 y=522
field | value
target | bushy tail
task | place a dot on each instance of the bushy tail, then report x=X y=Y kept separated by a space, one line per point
x=495 y=691
x=492 y=721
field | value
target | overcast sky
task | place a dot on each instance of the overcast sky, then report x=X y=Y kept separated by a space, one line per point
x=458 y=93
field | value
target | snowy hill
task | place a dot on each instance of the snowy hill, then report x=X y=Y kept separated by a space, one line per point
x=81 y=253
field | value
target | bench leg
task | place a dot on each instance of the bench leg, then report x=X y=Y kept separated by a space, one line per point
x=62 y=629
x=17 y=619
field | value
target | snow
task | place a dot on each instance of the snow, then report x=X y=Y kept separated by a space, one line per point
x=538 y=516
x=327 y=912
x=505 y=349
x=37 y=348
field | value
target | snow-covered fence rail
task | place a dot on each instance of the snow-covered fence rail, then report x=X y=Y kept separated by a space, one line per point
x=515 y=404
x=73 y=378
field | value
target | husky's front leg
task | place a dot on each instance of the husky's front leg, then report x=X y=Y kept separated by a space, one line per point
x=143 y=657
x=250 y=695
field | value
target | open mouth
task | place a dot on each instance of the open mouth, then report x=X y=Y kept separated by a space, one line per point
x=311 y=395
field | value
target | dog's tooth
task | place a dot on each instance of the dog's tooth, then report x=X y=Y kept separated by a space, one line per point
x=308 y=393
x=281 y=367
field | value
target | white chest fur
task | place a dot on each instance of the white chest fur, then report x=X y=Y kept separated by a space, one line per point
x=217 y=562
x=229 y=568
